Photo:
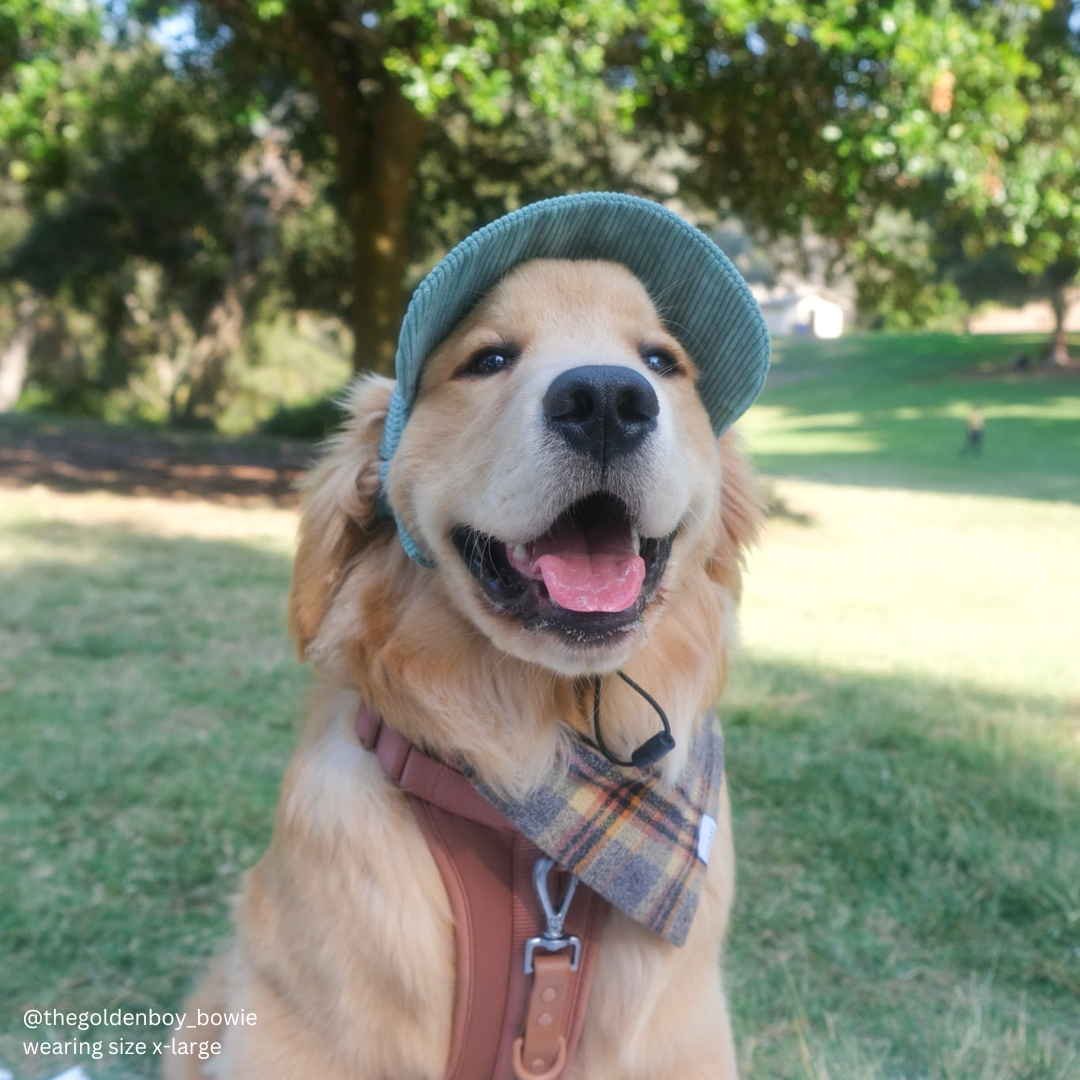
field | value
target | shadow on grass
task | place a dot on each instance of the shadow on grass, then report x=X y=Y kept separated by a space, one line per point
x=901 y=841
x=75 y=455
x=897 y=837
x=777 y=507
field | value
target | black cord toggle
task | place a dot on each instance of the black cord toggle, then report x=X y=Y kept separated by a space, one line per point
x=653 y=748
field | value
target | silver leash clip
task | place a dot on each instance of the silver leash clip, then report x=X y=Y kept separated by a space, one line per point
x=553 y=939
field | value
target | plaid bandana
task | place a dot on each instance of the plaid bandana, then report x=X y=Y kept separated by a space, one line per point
x=641 y=848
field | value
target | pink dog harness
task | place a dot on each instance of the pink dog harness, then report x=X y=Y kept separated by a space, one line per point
x=618 y=835
x=524 y=966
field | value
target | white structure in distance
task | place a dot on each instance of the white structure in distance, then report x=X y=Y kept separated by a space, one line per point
x=804 y=311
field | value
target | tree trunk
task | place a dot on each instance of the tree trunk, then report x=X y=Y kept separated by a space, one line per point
x=377 y=133
x=222 y=335
x=378 y=193
x=1057 y=353
x=15 y=356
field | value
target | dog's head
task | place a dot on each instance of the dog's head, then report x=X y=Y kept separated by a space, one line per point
x=558 y=465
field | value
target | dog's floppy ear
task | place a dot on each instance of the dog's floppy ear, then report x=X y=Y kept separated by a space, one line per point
x=741 y=512
x=338 y=507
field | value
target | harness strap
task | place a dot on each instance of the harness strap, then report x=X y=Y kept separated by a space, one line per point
x=487 y=870
x=540 y=1054
x=420 y=775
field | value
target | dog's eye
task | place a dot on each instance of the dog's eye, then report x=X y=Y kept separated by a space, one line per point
x=489 y=361
x=660 y=361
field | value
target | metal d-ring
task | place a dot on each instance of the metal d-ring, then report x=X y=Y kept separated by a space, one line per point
x=553 y=939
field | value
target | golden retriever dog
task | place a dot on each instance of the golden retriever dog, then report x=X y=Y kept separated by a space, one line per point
x=343 y=944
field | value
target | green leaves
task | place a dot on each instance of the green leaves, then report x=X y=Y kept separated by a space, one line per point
x=954 y=114
x=480 y=56
x=40 y=42
x=828 y=102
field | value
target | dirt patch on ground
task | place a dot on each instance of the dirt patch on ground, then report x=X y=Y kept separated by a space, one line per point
x=83 y=456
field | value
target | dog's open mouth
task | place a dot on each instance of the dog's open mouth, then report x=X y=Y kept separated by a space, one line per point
x=589 y=576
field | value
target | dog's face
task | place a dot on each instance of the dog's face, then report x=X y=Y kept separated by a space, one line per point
x=560 y=466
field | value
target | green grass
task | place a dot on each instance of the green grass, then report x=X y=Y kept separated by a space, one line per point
x=904 y=753
x=903 y=723
x=903 y=731
x=148 y=701
x=890 y=411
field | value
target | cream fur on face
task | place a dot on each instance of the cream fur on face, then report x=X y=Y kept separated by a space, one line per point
x=479 y=453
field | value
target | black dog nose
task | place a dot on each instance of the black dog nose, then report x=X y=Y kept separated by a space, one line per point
x=602 y=410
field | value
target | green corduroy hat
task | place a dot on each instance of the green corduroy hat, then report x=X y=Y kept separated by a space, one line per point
x=701 y=297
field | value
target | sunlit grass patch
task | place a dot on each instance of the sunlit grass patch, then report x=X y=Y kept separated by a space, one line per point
x=903 y=733
x=946 y=586
x=891 y=410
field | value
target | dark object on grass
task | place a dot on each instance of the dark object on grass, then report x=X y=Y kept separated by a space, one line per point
x=1021 y=362
x=973 y=439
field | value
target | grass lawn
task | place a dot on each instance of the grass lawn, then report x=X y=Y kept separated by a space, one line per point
x=890 y=411
x=903 y=731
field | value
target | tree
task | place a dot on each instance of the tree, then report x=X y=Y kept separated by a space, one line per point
x=960 y=117
x=394 y=80
x=414 y=120
x=782 y=112
x=35 y=40
x=154 y=201
x=957 y=118
x=1030 y=204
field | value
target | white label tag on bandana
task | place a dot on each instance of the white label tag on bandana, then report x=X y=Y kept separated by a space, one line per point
x=706 y=832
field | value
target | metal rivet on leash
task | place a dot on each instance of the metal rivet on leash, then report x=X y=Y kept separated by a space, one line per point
x=652 y=749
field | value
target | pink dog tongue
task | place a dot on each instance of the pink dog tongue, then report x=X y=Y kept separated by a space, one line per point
x=590 y=569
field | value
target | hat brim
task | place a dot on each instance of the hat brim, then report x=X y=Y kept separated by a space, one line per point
x=701 y=297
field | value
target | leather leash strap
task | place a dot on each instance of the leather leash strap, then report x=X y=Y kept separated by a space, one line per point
x=503 y=1028
x=540 y=1054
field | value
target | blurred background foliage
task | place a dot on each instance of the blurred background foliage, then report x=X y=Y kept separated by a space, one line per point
x=213 y=211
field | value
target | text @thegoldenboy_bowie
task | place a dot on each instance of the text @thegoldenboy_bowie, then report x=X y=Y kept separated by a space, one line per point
x=119 y=1033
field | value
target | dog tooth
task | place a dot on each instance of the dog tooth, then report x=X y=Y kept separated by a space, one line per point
x=520 y=553
x=635 y=540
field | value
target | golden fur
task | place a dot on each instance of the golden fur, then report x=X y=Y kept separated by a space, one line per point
x=343 y=946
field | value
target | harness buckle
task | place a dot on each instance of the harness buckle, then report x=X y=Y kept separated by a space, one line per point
x=552 y=939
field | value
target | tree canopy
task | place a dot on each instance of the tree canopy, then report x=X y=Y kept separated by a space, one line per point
x=374 y=135
x=781 y=113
